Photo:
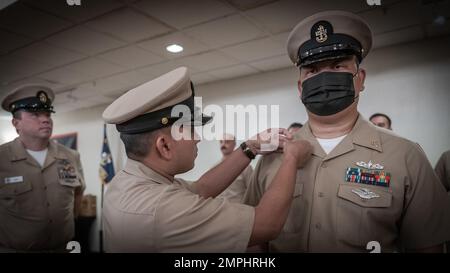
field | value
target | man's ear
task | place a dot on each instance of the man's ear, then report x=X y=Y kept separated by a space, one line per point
x=163 y=146
x=362 y=77
x=15 y=122
x=299 y=86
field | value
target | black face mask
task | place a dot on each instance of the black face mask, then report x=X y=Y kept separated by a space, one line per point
x=328 y=93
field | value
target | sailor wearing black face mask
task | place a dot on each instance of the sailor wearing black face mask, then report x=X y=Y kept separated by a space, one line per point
x=328 y=93
x=362 y=184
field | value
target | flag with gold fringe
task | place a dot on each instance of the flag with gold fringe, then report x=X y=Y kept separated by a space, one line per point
x=106 y=162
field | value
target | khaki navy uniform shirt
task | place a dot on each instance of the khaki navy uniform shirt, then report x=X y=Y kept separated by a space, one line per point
x=443 y=170
x=235 y=192
x=339 y=206
x=37 y=203
x=144 y=211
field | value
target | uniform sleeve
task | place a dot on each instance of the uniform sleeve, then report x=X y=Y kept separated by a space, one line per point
x=426 y=220
x=189 y=185
x=442 y=170
x=186 y=222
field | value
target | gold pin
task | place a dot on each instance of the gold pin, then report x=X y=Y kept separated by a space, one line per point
x=43 y=97
x=164 y=120
x=321 y=34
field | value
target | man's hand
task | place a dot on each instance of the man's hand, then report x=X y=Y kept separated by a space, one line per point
x=300 y=150
x=269 y=141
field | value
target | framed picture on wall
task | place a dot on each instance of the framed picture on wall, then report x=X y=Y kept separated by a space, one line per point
x=69 y=140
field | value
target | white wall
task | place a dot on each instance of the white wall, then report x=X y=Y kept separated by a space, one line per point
x=408 y=82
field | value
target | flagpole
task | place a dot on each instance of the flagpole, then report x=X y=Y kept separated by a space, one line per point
x=106 y=172
x=101 y=218
x=101 y=202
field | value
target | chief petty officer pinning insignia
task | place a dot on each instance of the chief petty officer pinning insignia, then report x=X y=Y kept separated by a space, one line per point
x=370 y=174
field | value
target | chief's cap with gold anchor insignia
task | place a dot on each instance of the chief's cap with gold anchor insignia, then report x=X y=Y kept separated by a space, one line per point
x=30 y=98
x=149 y=106
x=329 y=35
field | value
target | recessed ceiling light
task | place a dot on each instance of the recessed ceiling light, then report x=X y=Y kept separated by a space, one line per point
x=174 y=48
x=439 y=20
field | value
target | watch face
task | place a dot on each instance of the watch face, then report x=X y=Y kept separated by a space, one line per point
x=250 y=154
x=247 y=151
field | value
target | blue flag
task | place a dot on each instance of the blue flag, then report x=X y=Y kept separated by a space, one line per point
x=106 y=162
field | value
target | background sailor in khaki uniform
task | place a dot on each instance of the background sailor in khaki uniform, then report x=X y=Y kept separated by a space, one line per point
x=362 y=183
x=41 y=181
x=235 y=192
x=146 y=209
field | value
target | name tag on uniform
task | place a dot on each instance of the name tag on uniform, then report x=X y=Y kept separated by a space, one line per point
x=13 y=179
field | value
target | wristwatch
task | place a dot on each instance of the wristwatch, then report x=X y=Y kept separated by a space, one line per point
x=247 y=151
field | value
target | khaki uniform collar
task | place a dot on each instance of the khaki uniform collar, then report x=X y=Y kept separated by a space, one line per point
x=363 y=134
x=54 y=152
x=138 y=169
x=19 y=152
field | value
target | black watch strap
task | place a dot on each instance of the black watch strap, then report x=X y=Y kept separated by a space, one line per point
x=247 y=151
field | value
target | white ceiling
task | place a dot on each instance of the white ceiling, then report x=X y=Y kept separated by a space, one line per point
x=93 y=53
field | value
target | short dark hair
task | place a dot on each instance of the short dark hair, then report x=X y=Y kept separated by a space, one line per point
x=17 y=114
x=137 y=146
x=382 y=115
x=295 y=125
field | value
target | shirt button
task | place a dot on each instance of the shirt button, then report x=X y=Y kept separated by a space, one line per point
x=48 y=204
x=318 y=226
x=324 y=165
x=45 y=187
x=321 y=194
x=50 y=221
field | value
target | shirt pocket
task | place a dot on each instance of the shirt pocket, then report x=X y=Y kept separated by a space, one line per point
x=296 y=215
x=361 y=216
x=64 y=195
x=13 y=195
x=67 y=187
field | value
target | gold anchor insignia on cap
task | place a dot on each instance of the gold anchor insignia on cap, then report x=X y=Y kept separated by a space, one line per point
x=369 y=165
x=365 y=193
x=164 y=120
x=321 y=34
x=42 y=97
